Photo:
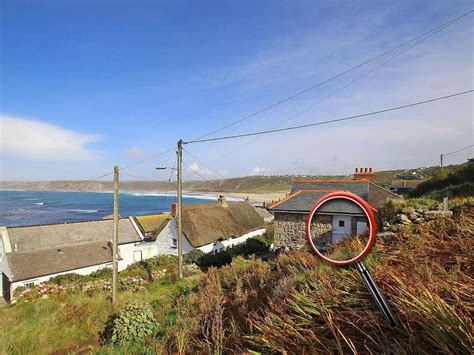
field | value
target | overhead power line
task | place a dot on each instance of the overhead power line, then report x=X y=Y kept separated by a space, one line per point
x=336 y=76
x=329 y=121
x=460 y=150
x=331 y=94
x=307 y=89
x=204 y=164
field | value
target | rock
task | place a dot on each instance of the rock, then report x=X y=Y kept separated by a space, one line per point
x=419 y=220
x=395 y=228
x=413 y=216
x=402 y=218
x=408 y=210
x=431 y=215
x=386 y=224
x=385 y=235
x=45 y=296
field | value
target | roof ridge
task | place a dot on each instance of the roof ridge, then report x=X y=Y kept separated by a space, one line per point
x=274 y=204
x=329 y=180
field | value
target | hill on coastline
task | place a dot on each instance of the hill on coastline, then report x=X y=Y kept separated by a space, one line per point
x=247 y=184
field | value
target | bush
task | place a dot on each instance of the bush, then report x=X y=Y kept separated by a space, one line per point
x=132 y=324
x=193 y=256
x=217 y=260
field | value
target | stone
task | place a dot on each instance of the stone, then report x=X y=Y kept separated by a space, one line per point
x=419 y=220
x=386 y=224
x=45 y=296
x=402 y=218
x=408 y=210
x=413 y=216
x=437 y=214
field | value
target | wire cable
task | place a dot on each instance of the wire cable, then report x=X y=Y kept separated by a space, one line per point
x=457 y=151
x=442 y=26
x=204 y=164
x=331 y=94
x=258 y=133
x=202 y=177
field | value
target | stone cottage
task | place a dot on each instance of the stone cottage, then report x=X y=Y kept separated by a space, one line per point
x=334 y=219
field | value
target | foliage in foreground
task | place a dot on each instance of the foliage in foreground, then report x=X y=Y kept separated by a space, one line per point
x=134 y=322
x=298 y=304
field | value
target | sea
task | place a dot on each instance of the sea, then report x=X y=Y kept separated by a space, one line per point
x=25 y=208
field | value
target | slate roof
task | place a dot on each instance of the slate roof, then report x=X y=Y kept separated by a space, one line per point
x=206 y=223
x=32 y=238
x=358 y=187
x=33 y=264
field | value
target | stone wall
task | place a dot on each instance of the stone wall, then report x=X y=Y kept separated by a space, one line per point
x=290 y=230
x=410 y=215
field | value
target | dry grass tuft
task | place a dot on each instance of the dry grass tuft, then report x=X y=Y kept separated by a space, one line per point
x=298 y=304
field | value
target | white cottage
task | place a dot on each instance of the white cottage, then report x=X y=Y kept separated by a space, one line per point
x=33 y=254
x=210 y=228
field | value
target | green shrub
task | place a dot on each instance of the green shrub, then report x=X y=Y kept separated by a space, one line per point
x=193 y=256
x=132 y=324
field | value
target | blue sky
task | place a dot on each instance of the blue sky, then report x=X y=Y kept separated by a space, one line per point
x=87 y=84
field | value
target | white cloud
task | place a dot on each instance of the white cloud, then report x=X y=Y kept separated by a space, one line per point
x=259 y=171
x=34 y=140
x=135 y=152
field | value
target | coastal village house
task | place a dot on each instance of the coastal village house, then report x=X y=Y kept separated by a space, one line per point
x=34 y=254
x=335 y=219
x=210 y=228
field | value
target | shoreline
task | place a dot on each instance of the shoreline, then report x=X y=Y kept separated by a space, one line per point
x=253 y=196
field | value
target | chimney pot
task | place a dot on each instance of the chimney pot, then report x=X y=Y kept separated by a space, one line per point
x=357 y=170
x=174 y=208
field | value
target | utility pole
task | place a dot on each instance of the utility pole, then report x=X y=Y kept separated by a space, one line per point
x=441 y=160
x=179 y=160
x=115 y=240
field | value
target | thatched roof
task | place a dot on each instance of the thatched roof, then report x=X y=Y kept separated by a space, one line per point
x=152 y=225
x=207 y=223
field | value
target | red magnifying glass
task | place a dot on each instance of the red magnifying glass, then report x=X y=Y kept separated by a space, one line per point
x=341 y=229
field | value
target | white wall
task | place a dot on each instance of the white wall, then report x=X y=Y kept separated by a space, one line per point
x=224 y=244
x=36 y=281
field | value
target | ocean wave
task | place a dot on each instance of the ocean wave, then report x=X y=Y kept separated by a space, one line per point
x=39 y=203
x=162 y=194
x=83 y=211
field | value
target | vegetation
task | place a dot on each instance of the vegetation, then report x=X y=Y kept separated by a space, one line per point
x=294 y=303
x=299 y=304
x=253 y=246
x=134 y=321
x=453 y=182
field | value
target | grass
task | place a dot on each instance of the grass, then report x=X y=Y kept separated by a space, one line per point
x=46 y=325
x=295 y=303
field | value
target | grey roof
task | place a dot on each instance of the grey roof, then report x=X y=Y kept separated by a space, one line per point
x=267 y=216
x=33 y=238
x=33 y=264
x=340 y=206
x=302 y=201
x=358 y=187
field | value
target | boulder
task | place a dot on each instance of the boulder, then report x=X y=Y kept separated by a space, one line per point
x=431 y=215
x=408 y=210
x=402 y=218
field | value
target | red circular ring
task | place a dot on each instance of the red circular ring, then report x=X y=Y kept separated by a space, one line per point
x=368 y=212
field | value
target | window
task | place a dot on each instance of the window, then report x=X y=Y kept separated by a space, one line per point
x=341 y=223
x=174 y=242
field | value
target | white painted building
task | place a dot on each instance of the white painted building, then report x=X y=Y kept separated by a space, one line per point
x=34 y=254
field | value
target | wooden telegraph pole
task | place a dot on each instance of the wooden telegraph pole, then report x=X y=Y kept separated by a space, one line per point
x=115 y=240
x=179 y=160
x=441 y=160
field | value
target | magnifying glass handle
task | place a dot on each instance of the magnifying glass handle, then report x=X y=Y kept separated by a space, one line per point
x=377 y=295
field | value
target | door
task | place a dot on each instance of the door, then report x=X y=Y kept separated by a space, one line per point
x=341 y=228
x=361 y=228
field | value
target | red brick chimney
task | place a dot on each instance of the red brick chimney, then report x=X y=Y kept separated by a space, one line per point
x=364 y=173
x=174 y=208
